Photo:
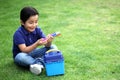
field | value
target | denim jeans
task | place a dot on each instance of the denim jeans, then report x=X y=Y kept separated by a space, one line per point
x=36 y=56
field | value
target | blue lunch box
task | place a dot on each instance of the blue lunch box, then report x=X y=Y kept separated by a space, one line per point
x=54 y=62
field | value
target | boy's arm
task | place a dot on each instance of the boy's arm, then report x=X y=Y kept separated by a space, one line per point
x=28 y=49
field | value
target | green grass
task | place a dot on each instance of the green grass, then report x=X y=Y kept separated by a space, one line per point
x=90 y=39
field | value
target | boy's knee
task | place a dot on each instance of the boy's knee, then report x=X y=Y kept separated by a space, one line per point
x=20 y=56
x=53 y=46
x=23 y=59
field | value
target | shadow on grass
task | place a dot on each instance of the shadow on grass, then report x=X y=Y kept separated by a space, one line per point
x=10 y=65
x=10 y=71
x=15 y=68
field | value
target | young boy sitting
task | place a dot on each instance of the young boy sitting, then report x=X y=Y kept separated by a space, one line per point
x=27 y=38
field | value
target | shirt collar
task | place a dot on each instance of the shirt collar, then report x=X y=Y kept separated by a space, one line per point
x=26 y=32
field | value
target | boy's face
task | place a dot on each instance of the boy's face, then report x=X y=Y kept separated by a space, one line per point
x=31 y=23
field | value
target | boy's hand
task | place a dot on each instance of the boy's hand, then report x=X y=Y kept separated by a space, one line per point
x=42 y=41
x=49 y=38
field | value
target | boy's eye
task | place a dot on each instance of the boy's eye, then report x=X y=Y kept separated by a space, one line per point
x=30 y=22
x=36 y=21
x=33 y=22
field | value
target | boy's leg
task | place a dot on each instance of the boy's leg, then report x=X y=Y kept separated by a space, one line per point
x=23 y=59
x=39 y=52
x=33 y=59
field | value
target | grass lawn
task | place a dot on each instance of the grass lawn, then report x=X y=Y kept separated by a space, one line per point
x=90 y=40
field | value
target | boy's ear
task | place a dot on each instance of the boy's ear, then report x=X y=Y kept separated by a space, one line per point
x=22 y=23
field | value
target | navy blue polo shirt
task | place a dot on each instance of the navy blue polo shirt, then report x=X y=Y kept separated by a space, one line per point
x=22 y=36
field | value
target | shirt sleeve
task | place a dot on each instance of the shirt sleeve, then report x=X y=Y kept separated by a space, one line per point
x=18 y=38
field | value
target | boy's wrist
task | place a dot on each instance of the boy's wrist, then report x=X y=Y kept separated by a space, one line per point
x=37 y=43
x=48 y=44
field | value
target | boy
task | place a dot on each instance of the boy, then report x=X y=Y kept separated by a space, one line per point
x=27 y=38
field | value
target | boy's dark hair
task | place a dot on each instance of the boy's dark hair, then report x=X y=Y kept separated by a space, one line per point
x=26 y=12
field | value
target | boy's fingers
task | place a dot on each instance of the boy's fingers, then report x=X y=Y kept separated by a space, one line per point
x=43 y=41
